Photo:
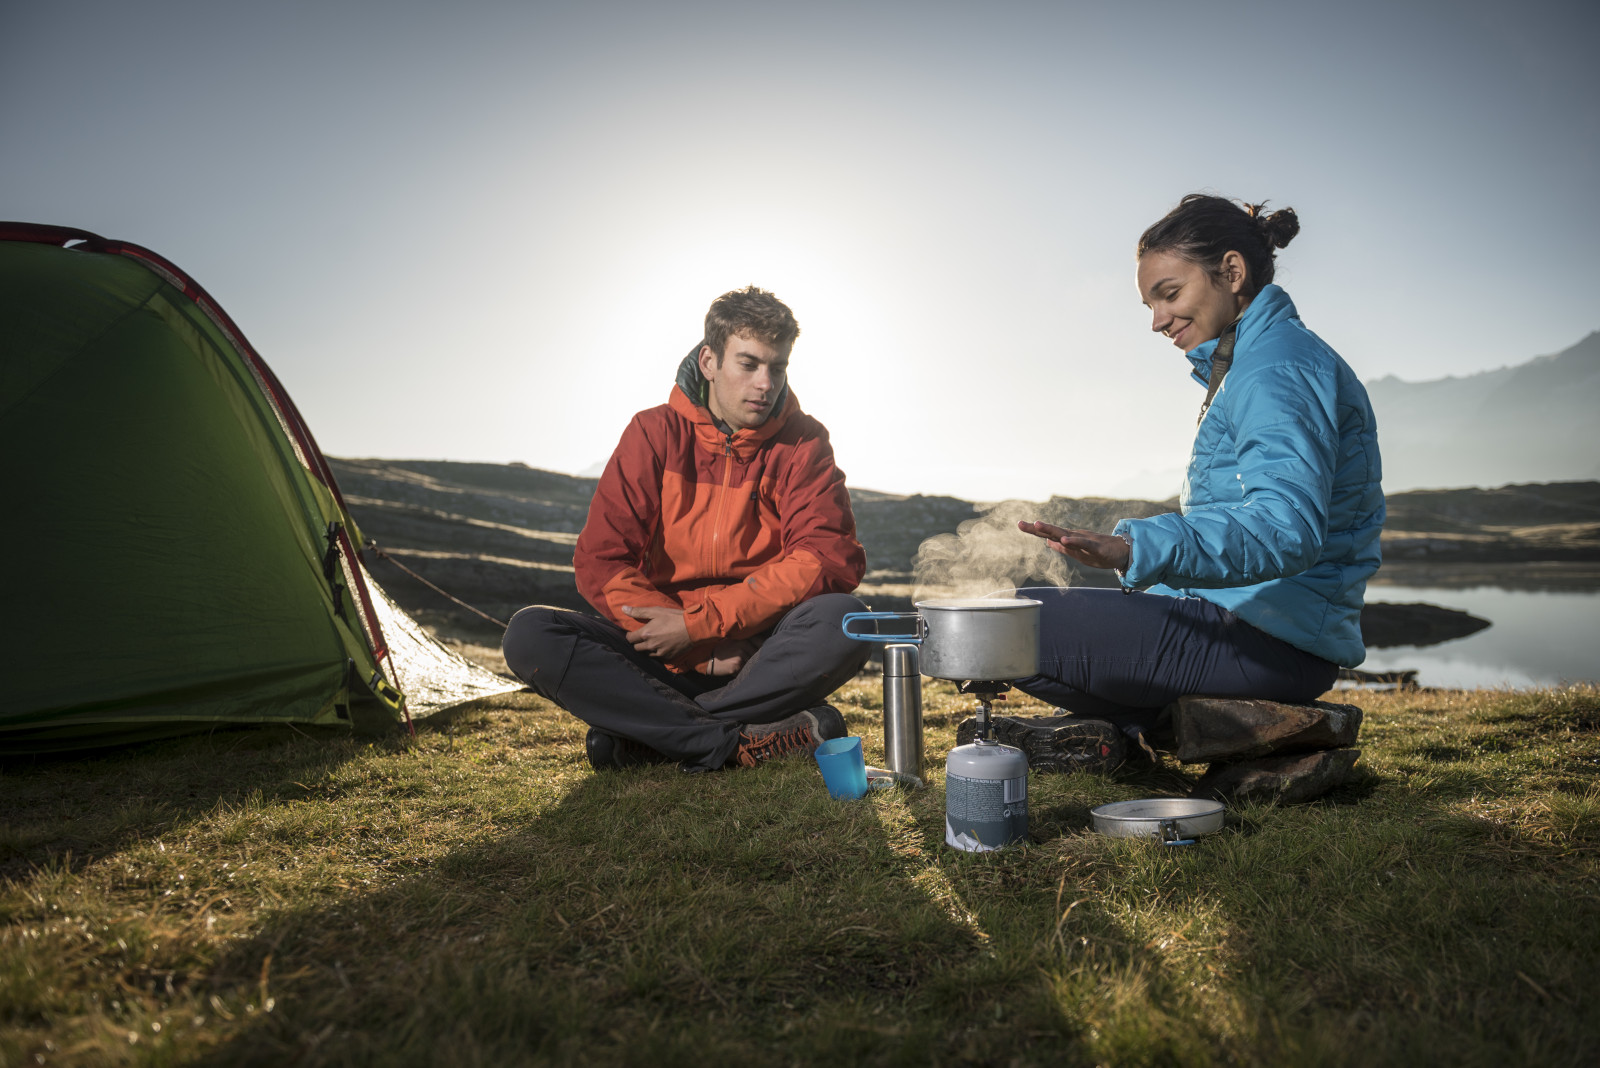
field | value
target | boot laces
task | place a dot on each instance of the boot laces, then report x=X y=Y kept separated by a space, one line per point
x=753 y=751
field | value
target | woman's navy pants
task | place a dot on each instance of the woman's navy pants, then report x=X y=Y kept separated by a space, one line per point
x=1123 y=657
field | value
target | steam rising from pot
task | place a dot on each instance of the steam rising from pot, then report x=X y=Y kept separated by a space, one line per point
x=989 y=553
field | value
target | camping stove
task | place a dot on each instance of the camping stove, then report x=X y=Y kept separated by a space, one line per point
x=984 y=641
x=987 y=694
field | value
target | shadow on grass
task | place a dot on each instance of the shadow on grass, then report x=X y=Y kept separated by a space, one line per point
x=647 y=915
x=68 y=810
x=650 y=916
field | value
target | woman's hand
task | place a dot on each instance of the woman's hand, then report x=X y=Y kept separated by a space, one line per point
x=1085 y=546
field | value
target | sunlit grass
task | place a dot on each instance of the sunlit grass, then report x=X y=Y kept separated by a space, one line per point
x=480 y=896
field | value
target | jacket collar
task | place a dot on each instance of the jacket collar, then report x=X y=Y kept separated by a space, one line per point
x=688 y=399
x=1270 y=307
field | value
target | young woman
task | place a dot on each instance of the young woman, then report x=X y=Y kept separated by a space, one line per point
x=1255 y=589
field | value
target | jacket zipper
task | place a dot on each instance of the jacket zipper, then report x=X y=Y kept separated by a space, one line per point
x=722 y=498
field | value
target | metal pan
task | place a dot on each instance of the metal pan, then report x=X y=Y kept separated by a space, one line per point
x=1174 y=821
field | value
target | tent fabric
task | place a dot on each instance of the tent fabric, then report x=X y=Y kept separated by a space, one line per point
x=177 y=553
x=432 y=677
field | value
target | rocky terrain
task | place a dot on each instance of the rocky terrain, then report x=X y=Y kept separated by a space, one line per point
x=500 y=537
x=1539 y=536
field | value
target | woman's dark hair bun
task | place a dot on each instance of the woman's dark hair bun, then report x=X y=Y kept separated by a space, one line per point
x=1204 y=228
x=1277 y=227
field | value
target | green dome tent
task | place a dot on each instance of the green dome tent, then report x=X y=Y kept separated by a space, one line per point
x=177 y=554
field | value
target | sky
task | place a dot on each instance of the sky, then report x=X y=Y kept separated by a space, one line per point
x=489 y=231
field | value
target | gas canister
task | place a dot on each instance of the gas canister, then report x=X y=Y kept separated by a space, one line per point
x=985 y=796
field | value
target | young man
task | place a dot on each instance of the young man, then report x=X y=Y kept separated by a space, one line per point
x=720 y=551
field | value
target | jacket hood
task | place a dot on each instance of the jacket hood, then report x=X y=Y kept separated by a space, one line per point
x=1270 y=306
x=693 y=385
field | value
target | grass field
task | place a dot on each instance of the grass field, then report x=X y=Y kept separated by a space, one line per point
x=478 y=896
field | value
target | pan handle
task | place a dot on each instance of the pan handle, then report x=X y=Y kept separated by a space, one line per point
x=1170 y=835
x=913 y=639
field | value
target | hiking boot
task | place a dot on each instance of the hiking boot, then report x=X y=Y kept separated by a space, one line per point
x=801 y=732
x=608 y=751
x=1057 y=743
x=828 y=722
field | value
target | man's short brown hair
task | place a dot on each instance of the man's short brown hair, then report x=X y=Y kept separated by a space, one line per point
x=750 y=312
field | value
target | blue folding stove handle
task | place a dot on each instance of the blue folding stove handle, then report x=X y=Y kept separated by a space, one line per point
x=912 y=639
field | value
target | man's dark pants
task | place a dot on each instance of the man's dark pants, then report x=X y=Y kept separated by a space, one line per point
x=585 y=665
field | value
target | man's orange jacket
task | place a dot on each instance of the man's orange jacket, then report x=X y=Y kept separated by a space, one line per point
x=735 y=529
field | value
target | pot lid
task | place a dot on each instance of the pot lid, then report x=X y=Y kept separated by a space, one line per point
x=1155 y=809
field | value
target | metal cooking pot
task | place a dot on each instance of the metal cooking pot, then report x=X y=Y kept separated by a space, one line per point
x=989 y=638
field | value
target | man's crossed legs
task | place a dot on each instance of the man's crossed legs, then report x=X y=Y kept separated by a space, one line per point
x=585 y=665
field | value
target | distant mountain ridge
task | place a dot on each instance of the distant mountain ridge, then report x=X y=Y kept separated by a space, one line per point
x=1536 y=422
x=501 y=536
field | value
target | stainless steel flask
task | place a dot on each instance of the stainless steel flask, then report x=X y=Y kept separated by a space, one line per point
x=902 y=709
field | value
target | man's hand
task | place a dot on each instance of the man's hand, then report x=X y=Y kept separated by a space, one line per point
x=663 y=635
x=1085 y=546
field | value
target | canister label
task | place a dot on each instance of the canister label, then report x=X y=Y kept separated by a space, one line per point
x=984 y=814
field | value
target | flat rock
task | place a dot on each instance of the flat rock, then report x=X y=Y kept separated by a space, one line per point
x=1287 y=778
x=1209 y=729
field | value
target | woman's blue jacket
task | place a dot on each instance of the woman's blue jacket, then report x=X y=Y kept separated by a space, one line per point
x=1282 y=504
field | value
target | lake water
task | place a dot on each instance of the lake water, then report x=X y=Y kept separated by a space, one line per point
x=1537 y=638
